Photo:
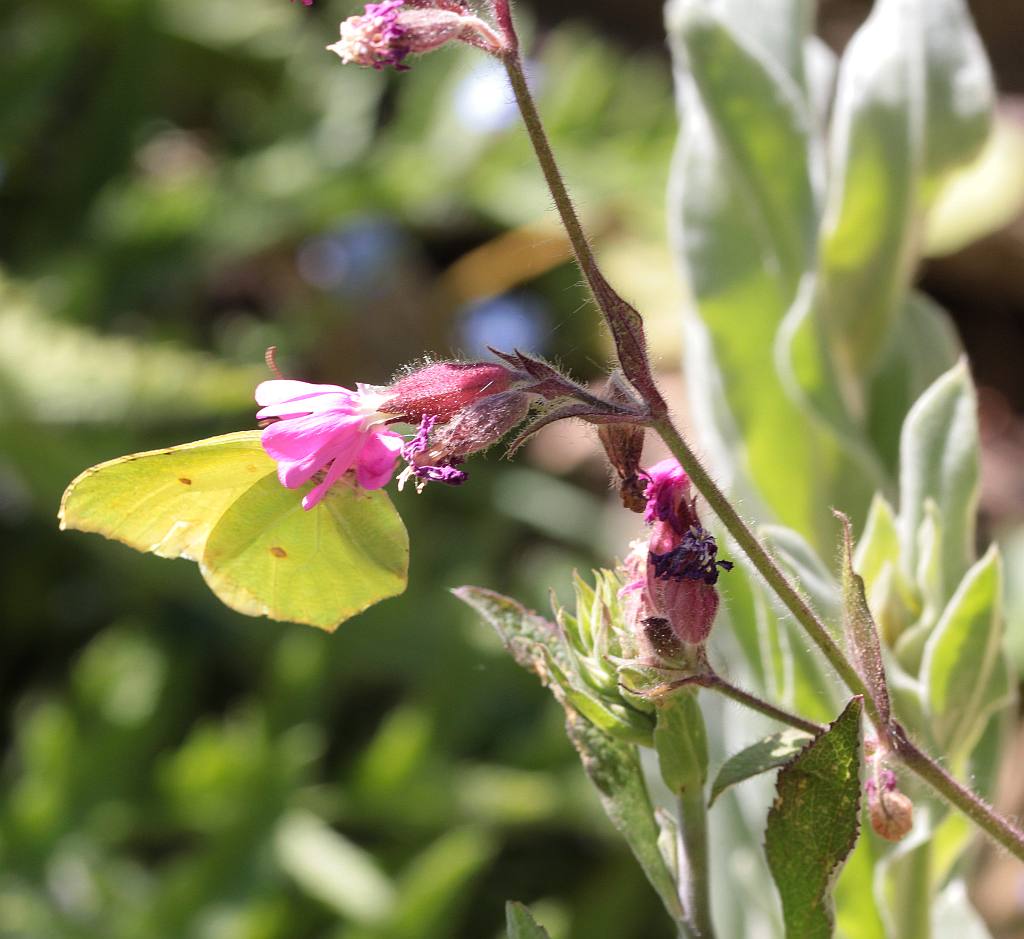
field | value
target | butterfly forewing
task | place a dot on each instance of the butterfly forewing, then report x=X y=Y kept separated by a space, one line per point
x=166 y=501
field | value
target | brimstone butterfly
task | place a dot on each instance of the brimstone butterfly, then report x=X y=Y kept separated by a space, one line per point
x=218 y=502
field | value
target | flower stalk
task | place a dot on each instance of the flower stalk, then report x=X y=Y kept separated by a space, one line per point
x=626 y=326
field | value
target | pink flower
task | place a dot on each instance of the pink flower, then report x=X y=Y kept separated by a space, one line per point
x=680 y=566
x=329 y=429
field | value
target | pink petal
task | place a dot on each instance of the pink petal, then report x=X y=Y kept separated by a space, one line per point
x=311 y=498
x=303 y=436
x=311 y=404
x=376 y=462
x=285 y=389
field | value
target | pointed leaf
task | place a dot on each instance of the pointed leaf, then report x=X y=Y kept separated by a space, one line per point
x=524 y=633
x=813 y=824
x=328 y=866
x=770 y=753
x=860 y=630
x=939 y=459
x=879 y=544
x=964 y=668
x=521 y=924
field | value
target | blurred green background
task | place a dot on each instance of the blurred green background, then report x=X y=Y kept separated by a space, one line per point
x=182 y=184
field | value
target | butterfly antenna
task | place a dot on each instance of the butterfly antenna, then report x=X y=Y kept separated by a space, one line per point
x=270 y=357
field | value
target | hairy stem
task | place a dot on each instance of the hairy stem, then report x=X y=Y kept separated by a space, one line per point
x=624 y=322
x=693 y=829
x=627 y=331
x=752 y=701
x=1002 y=830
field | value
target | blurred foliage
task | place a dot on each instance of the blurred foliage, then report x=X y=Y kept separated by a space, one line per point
x=183 y=183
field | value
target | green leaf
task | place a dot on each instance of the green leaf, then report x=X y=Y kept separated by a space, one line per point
x=939 y=458
x=802 y=562
x=614 y=768
x=859 y=628
x=924 y=345
x=541 y=647
x=761 y=116
x=435 y=885
x=856 y=907
x=740 y=408
x=770 y=753
x=218 y=502
x=879 y=544
x=958 y=88
x=964 y=670
x=867 y=247
x=521 y=924
x=813 y=824
x=331 y=868
x=525 y=634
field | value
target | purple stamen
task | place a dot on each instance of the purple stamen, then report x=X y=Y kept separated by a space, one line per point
x=421 y=441
x=448 y=474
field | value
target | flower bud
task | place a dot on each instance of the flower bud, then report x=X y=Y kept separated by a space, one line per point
x=388 y=32
x=443 y=389
x=482 y=424
x=891 y=812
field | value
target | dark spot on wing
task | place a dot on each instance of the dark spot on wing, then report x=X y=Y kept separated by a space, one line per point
x=184 y=480
x=278 y=552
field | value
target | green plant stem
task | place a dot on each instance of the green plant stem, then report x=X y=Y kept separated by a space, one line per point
x=627 y=331
x=693 y=829
x=752 y=701
x=1000 y=829
x=624 y=322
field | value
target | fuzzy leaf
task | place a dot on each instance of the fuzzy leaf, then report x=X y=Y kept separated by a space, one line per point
x=879 y=544
x=859 y=628
x=525 y=634
x=939 y=457
x=761 y=116
x=614 y=768
x=770 y=753
x=964 y=669
x=813 y=824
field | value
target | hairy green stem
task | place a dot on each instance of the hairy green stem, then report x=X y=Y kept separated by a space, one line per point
x=624 y=322
x=693 y=829
x=1000 y=829
x=627 y=331
x=752 y=701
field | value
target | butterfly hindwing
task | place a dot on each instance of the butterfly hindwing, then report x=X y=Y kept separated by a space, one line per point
x=218 y=502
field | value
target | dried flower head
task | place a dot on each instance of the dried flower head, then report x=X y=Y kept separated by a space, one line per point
x=387 y=32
